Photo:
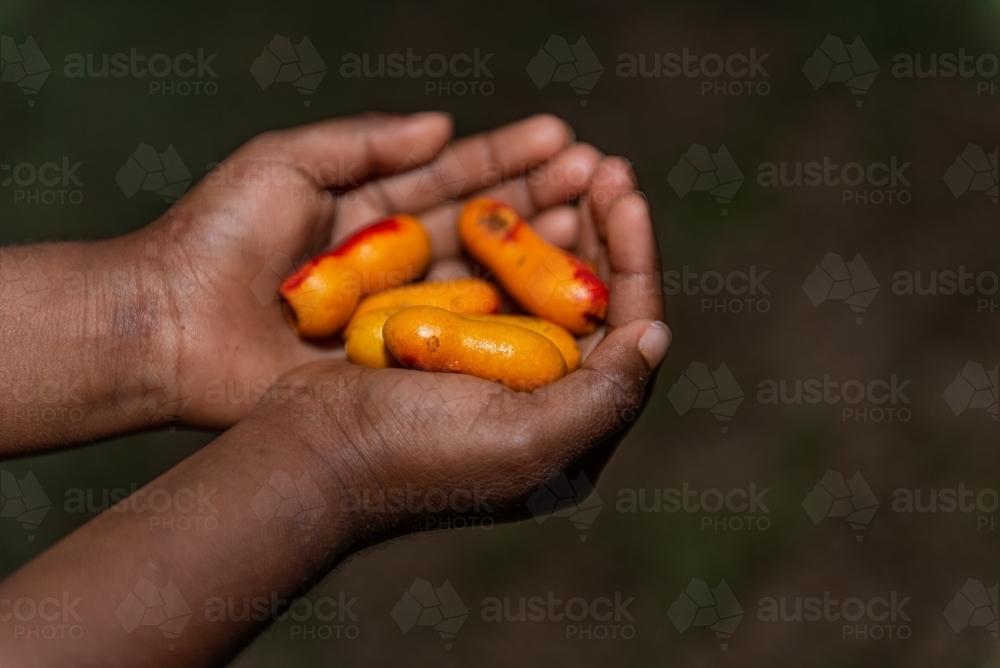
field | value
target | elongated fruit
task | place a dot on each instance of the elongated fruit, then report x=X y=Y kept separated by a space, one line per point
x=432 y=339
x=321 y=295
x=365 y=345
x=563 y=340
x=460 y=295
x=363 y=340
x=544 y=279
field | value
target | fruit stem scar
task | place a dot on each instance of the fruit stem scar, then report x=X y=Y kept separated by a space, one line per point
x=494 y=222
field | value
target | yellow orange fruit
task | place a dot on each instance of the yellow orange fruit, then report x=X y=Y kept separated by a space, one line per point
x=322 y=294
x=563 y=340
x=363 y=340
x=544 y=279
x=433 y=339
x=460 y=295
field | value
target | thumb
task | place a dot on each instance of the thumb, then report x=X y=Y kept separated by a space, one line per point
x=597 y=399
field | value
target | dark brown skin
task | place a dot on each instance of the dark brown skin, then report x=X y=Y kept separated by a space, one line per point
x=350 y=430
x=189 y=318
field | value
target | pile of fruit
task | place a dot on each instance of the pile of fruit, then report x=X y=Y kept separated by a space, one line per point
x=362 y=290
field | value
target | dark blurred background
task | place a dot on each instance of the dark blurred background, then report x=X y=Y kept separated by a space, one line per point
x=708 y=585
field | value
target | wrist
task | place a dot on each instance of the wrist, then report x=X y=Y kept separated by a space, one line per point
x=384 y=477
x=143 y=332
x=85 y=339
x=306 y=416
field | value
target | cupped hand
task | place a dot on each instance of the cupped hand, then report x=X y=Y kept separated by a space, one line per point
x=371 y=453
x=407 y=446
x=288 y=195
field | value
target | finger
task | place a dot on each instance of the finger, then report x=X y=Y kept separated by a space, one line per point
x=612 y=178
x=601 y=396
x=559 y=225
x=589 y=243
x=473 y=163
x=634 y=261
x=561 y=180
x=344 y=152
x=558 y=181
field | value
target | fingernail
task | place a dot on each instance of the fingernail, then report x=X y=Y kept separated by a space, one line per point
x=654 y=342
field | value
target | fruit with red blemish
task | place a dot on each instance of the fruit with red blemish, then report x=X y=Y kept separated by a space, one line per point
x=544 y=279
x=322 y=294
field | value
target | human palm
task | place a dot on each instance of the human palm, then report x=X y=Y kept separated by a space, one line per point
x=291 y=194
x=430 y=438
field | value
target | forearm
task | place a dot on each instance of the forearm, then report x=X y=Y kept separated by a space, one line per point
x=82 y=330
x=244 y=549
